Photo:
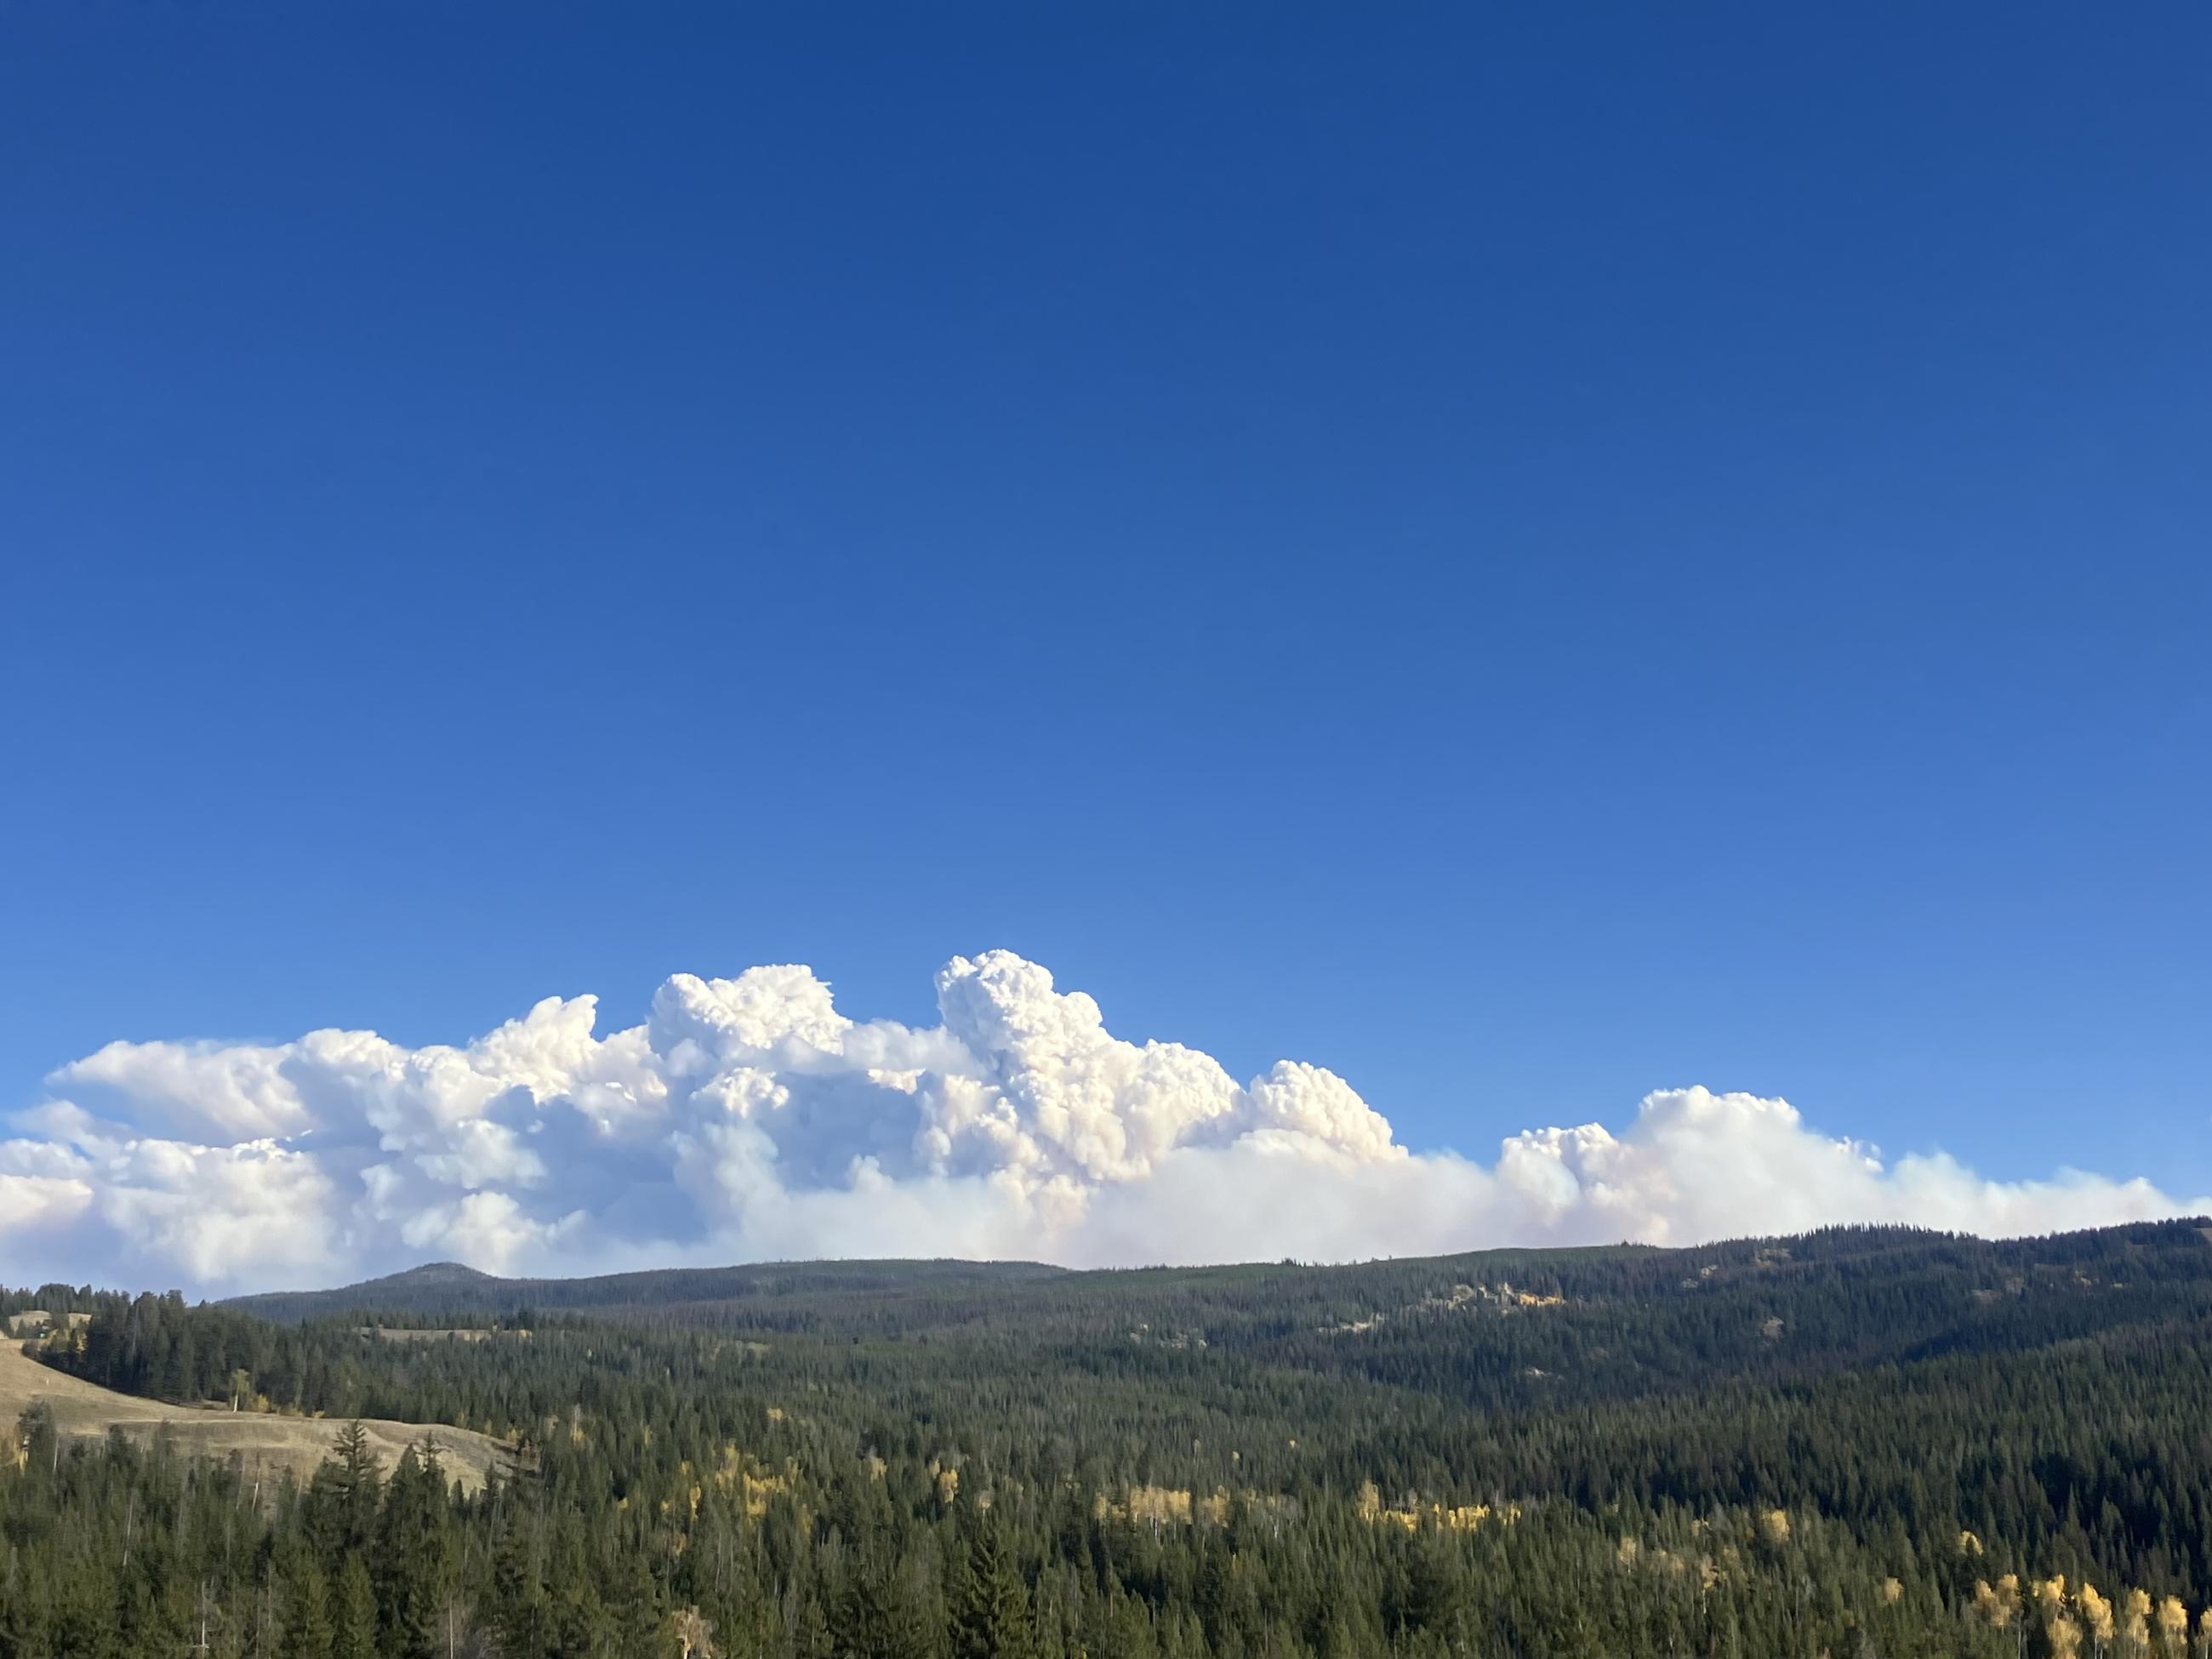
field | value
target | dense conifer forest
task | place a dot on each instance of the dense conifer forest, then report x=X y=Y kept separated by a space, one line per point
x=1857 y=1442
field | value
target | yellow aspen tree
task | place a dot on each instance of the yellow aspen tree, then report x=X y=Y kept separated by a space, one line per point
x=1993 y=1605
x=2135 y=1622
x=2172 y=1626
x=2096 y=1615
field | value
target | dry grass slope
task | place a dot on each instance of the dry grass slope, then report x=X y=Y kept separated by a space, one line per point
x=268 y=1444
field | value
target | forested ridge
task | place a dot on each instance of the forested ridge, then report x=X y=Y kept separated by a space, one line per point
x=1859 y=1441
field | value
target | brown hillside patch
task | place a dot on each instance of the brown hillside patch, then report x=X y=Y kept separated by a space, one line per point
x=267 y=1443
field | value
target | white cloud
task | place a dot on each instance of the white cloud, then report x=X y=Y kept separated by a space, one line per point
x=192 y=1088
x=214 y=1214
x=747 y=1117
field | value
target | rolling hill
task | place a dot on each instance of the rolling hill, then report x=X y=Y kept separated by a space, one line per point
x=447 y=1287
x=265 y=1442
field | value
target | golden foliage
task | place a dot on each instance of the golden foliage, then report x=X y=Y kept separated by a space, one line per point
x=1997 y=1603
x=2096 y=1612
x=2134 y=1621
x=739 y=1474
x=1159 y=1505
x=1465 y=1517
x=2173 y=1623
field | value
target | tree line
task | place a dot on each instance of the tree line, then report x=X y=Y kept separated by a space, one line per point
x=1863 y=1442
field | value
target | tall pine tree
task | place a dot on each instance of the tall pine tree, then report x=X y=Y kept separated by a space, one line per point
x=991 y=1615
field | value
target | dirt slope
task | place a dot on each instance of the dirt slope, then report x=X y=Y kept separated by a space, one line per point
x=269 y=1444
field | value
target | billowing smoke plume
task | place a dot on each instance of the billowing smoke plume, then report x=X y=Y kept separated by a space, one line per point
x=748 y=1118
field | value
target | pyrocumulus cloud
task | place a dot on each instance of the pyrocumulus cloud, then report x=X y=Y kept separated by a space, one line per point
x=750 y=1118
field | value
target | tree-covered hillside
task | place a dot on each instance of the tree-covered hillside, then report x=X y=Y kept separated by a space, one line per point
x=1857 y=1442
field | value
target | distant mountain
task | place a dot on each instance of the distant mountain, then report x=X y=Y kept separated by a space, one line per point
x=447 y=1287
x=1937 y=1293
x=443 y=1275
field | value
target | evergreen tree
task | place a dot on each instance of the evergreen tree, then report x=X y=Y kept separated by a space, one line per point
x=307 y=1630
x=344 y=1491
x=877 y=1617
x=27 y=1605
x=413 y=1558
x=518 y=1601
x=354 y=1630
x=990 y=1617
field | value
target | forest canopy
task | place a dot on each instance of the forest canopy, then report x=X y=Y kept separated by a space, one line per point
x=1861 y=1441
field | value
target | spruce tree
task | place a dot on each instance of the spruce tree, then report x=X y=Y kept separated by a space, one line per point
x=354 y=1631
x=307 y=1631
x=413 y=1558
x=991 y=1615
x=518 y=1604
x=877 y=1617
x=343 y=1492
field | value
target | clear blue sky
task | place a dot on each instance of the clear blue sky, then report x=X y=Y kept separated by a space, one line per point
x=1524 y=554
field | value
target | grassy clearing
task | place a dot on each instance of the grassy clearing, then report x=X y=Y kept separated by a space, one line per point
x=268 y=1443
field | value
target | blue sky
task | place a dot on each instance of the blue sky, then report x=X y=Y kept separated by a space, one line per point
x=1522 y=557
